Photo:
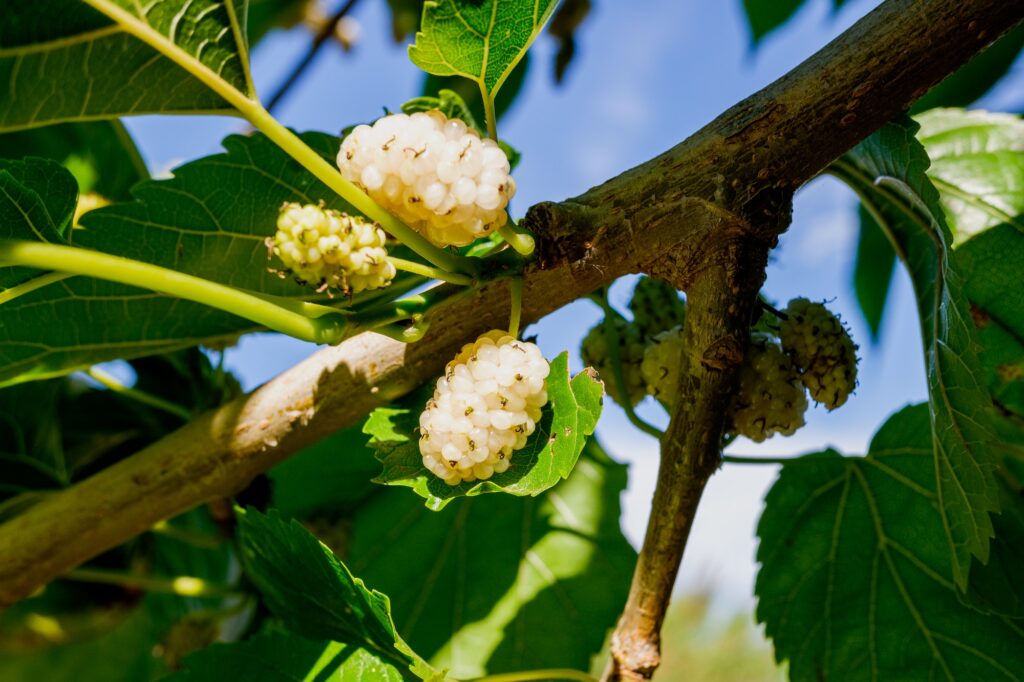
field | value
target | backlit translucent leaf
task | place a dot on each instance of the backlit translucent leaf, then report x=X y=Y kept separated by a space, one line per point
x=66 y=60
x=498 y=583
x=478 y=39
x=888 y=171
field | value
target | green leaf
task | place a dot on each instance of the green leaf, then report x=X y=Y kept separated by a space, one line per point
x=100 y=154
x=855 y=581
x=313 y=593
x=481 y=40
x=888 y=172
x=279 y=656
x=977 y=77
x=548 y=456
x=63 y=60
x=764 y=16
x=37 y=202
x=499 y=583
x=209 y=220
x=330 y=477
x=873 y=267
x=977 y=166
x=991 y=263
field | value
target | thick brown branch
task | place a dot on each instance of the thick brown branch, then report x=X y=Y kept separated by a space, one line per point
x=720 y=301
x=658 y=216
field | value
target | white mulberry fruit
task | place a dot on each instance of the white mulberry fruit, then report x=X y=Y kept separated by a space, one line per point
x=331 y=250
x=484 y=408
x=770 y=398
x=656 y=307
x=822 y=348
x=594 y=351
x=434 y=173
x=660 y=367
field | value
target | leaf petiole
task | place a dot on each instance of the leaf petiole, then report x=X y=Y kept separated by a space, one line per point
x=528 y=675
x=519 y=239
x=325 y=328
x=516 y=292
x=182 y=585
x=431 y=271
x=31 y=285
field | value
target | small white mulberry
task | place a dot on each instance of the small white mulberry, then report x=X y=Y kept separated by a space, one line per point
x=660 y=366
x=434 y=173
x=331 y=250
x=656 y=307
x=770 y=398
x=595 y=353
x=822 y=348
x=484 y=408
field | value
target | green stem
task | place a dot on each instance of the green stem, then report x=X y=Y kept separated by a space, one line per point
x=518 y=238
x=288 y=141
x=430 y=271
x=330 y=329
x=489 y=114
x=527 y=675
x=31 y=285
x=116 y=386
x=611 y=335
x=516 y=290
x=182 y=585
x=406 y=334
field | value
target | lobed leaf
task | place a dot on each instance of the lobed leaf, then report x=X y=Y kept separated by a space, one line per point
x=888 y=171
x=854 y=582
x=67 y=60
x=500 y=583
x=548 y=456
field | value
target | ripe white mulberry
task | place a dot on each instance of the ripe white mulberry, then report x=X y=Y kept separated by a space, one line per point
x=594 y=351
x=656 y=307
x=770 y=398
x=822 y=348
x=484 y=408
x=331 y=250
x=660 y=368
x=434 y=173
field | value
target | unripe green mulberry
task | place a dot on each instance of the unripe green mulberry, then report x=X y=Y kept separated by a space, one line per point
x=660 y=367
x=822 y=348
x=331 y=250
x=631 y=355
x=656 y=307
x=770 y=398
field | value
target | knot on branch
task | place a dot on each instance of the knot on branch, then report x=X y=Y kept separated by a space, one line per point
x=565 y=231
x=723 y=353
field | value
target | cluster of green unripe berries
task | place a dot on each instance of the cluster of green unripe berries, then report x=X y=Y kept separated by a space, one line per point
x=331 y=250
x=812 y=352
x=483 y=409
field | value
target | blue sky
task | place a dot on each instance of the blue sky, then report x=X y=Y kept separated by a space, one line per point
x=647 y=74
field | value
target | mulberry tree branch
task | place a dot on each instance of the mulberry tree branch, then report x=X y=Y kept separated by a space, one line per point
x=728 y=184
x=720 y=301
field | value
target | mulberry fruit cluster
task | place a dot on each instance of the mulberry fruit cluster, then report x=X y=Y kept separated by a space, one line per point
x=660 y=368
x=770 y=398
x=596 y=353
x=434 y=173
x=331 y=250
x=484 y=408
x=656 y=307
x=822 y=348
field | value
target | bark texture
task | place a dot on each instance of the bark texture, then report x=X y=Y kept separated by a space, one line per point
x=716 y=197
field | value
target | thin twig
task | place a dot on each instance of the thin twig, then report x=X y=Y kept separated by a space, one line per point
x=318 y=42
